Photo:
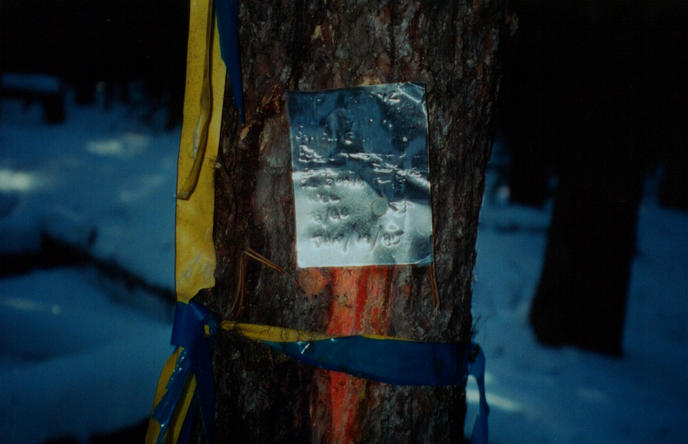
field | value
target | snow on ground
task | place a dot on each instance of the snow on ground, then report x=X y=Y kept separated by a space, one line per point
x=103 y=180
x=76 y=358
x=80 y=354
x=547 y=395
x=72 y=361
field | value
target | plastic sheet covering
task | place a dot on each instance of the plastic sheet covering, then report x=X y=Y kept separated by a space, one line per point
x=360 y=174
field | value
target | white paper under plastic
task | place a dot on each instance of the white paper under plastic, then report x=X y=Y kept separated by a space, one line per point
x=360 y=174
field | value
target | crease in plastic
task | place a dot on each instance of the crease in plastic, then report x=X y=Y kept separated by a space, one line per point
x=360 y=173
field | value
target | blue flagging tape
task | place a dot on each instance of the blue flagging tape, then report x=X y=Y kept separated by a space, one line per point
x=188 y=333
x=387 y=360
x=393 y=361
x=185 y=433
x=175 y=387
x=399 y=362
x=227 y=14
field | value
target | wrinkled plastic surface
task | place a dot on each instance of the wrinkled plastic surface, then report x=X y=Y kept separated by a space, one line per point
x=360 y=173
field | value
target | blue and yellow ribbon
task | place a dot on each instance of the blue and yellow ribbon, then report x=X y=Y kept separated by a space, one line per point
x=188 y=373
x=390 y=360
x=186 y=379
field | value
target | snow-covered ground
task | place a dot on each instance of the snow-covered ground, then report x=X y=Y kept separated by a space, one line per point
x=545 y=395
x=78 y=356
x=103 y=180
x=73 y=362
x=80 y=353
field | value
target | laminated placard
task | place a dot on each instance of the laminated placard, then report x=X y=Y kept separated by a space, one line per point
x=361 y=176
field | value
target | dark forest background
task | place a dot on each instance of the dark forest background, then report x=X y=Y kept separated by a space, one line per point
x=593 y=98
x=566 y=59
x=575 y=63
x=109 y=44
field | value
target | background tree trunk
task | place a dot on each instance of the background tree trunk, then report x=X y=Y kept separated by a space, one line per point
x=451 y=47
x=591 y=88
x=581 y=297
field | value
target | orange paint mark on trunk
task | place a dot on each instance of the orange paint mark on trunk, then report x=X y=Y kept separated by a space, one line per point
x=361 y=297
x=360 y=306
x=345 y=392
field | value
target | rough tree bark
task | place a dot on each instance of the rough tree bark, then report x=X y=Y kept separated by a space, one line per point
x=451 y=47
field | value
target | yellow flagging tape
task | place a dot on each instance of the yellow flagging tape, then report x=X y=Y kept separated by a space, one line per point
x=200 y=138
x=165 y=375
x=183 y=408
x=154 y=427
x=270 y=333
x=172 y=430
x=205 y=84
x=380 y=358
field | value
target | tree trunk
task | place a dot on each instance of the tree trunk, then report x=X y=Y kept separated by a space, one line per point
x=451 y=47
x=581 y=297
x=592 y=85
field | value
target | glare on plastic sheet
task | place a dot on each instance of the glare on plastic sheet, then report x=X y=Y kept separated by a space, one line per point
x=360 y=173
